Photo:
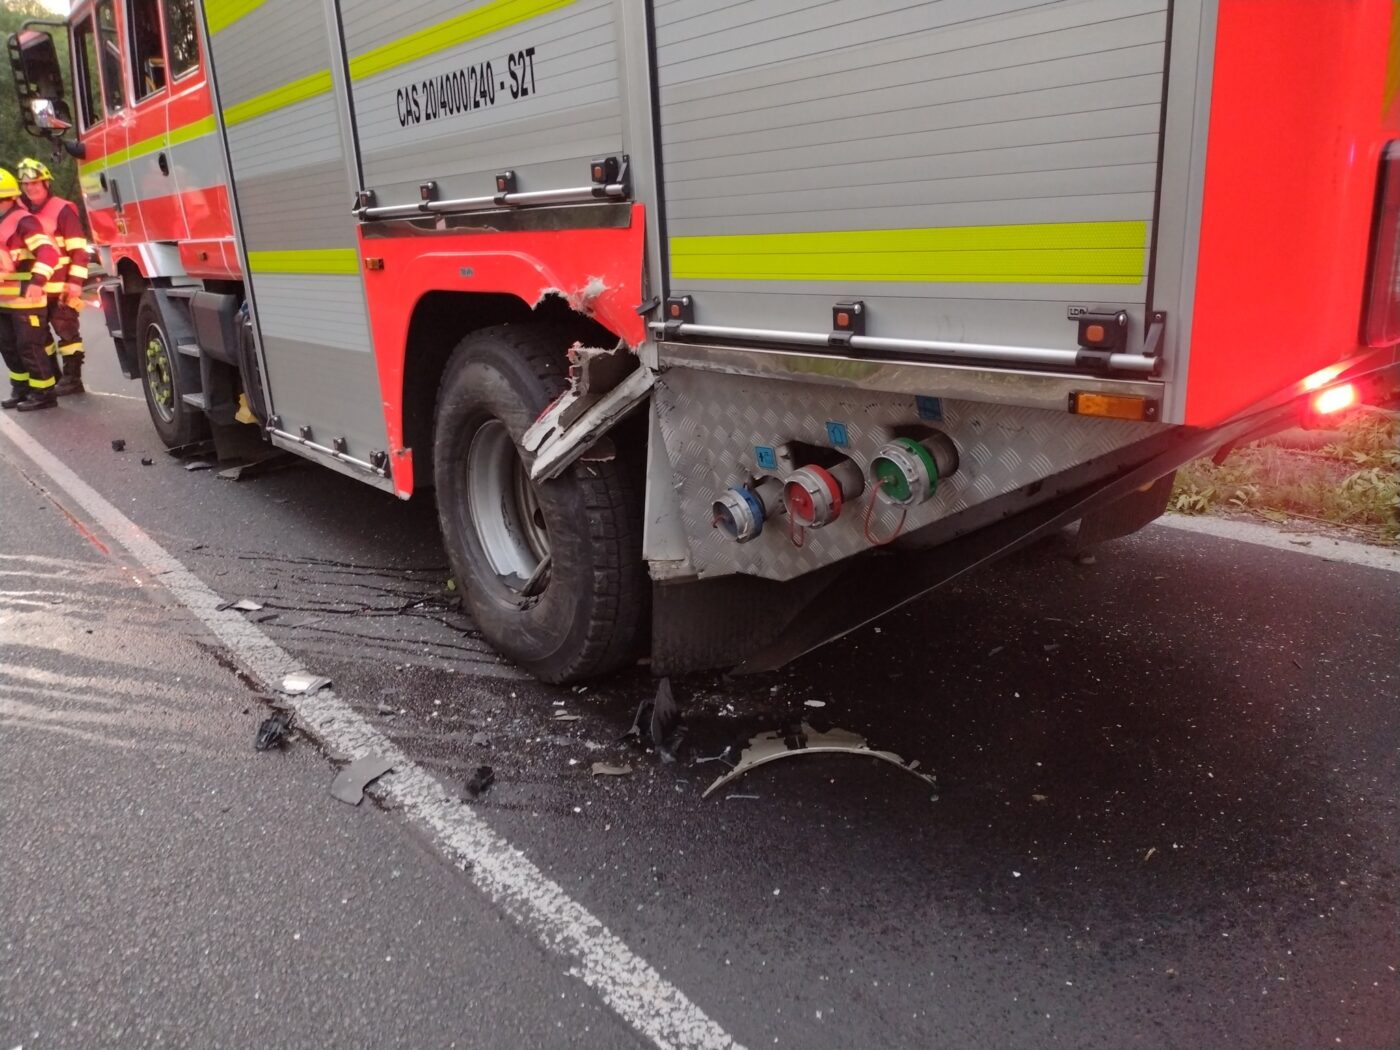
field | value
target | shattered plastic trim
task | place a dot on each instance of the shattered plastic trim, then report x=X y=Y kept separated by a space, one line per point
x=627 y=983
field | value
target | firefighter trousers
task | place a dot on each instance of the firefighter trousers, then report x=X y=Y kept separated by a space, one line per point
x=24 y=347
x=63 y=319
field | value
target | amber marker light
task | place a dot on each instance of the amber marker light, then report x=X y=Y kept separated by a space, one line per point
x=1114 y=406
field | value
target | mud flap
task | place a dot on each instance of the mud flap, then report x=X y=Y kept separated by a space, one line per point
x=1138 y=509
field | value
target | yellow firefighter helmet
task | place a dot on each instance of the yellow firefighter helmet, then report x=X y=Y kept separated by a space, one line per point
x=9 y=186
x=31 y=169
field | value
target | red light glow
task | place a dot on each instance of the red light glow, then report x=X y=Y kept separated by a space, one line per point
x=1334 y=399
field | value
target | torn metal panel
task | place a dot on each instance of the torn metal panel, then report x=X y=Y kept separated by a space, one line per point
x=771 y=746
x=557 y=444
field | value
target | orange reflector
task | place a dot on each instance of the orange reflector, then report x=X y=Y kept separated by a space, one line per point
x=374 y=263
x=1334 y=399
x=1113 y=406
x=1094 y=333
x=843 y=320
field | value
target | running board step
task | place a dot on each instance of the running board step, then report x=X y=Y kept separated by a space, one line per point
x=195 y=400
x=189 y=348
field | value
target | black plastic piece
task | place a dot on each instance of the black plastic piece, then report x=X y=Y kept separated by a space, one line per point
x=1114 y=324
x=215 y=320
x=339 y=445
x=847 y=320
x=680 y=309
x=506 y=182
x=428 y=191
x=306 y=434
x=606 y=171
x=364 y=199
x=1156 y=332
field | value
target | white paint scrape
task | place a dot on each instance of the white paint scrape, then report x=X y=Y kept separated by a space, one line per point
x=626 y=982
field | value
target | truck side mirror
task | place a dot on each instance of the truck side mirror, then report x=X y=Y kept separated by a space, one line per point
x=39 y=84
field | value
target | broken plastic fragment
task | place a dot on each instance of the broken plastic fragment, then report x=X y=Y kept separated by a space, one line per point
x=246 y=605
x=350 y=783
x=771 y=746
x=482 y=779
x=273 y=731
x=560 y=716
x=302 y=682
x=147 y=461
x=119 y=444
x=603 y=769
x=198 y=464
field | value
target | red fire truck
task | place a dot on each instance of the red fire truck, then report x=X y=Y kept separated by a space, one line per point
x=723 y=330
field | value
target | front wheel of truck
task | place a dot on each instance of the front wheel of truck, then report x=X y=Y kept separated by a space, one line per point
x=176 y=421
x=551 y=571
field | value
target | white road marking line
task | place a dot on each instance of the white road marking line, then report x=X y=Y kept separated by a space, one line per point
x=626 y=982
x=124 y=397
x=1319 y=546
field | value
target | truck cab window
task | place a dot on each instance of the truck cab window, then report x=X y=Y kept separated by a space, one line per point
x=89 y=89
x=147 y=51
x=111 y=51
x=181 y=38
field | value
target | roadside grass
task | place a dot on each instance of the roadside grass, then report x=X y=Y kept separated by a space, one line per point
x=1352 y=480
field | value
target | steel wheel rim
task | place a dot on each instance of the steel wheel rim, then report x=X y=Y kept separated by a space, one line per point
x=504 y=511
x=159 y=380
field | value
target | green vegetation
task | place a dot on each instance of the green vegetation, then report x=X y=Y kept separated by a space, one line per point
x=1352 y=480
x=15 y=142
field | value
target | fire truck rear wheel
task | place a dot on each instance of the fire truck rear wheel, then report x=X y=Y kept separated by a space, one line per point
x=176 y=422
x=552 y=571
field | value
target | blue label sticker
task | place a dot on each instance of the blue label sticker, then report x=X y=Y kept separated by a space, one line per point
x=930 y=408
x=837 y=435
x=765 y=457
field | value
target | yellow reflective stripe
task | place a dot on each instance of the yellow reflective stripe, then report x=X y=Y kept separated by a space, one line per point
x=329 y=261
x=1047 y=253
x=478 y=22
x=41 y=384
x=78 y=272
x=279 y=98
x=69 y=349
x=54 y=287
x=184 y=133
x=223 y=13
x=19 y=377
x=75 y=242
x=38 y=240
x=41 y=270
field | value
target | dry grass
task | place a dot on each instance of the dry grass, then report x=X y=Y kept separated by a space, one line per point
x=1353 y=481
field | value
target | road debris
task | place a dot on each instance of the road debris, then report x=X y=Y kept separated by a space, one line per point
x=302 y=682
x=247 y=605
x=560 y=716
x=804 y=740
x=1039 y=798
x=603 y=769
x=479 y=781
x=384 y=709
x=273 y=731
x=813 y=703
x=659 y=720
x=480 y=740
x=1149 y=854
x=119 y=444
x=350 y=783
x=147 y=461
x=199 y=464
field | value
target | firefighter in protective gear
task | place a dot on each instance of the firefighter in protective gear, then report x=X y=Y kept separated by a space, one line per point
x=30 y=258
x=61 y=222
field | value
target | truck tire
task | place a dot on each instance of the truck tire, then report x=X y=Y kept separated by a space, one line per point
x=551 y=571
x=176 y=422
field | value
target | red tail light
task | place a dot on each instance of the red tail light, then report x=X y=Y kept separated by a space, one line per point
x=1335 y=399
x=1381 y=324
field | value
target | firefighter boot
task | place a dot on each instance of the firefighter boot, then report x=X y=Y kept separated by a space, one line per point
x=36 y=400
x=72 y=381
x=18 y=392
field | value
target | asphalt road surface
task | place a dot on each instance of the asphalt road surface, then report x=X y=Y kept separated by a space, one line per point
x=1166 y=812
